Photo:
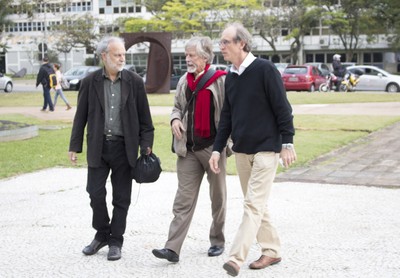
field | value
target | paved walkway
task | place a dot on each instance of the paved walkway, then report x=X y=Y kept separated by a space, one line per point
x=329 y=225
x=326 y=230
x=377 y=108
x=371 y=161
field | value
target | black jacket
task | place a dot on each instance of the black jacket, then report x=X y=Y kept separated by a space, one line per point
x=43 y=75
x=135 y=116
x=256 y=112
x=338 y=69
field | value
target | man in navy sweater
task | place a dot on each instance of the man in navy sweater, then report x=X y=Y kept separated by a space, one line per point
x=258 y=117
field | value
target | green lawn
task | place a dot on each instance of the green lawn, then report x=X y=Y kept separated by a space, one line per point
x=315 y=135
x=36 y=98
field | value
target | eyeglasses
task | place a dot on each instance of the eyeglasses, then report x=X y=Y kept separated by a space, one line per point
x=224 y=42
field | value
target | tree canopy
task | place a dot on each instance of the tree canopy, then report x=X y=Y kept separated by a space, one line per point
x=350 y=20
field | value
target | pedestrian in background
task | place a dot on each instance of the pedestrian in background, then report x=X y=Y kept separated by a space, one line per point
x=58 y=88
x=43 y=78
x=113 y=106
x=194 y=120
x=258 y=117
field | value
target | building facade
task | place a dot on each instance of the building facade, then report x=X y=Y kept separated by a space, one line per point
x=28 y=38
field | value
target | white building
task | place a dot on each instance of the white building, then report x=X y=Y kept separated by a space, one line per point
x=26 y=34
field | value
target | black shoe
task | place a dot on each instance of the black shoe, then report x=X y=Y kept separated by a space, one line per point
x=93 y=247
x=215 y=251
x=114 y=253
x=167 y=254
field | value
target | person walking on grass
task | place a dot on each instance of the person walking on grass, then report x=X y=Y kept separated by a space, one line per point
x=43 y=78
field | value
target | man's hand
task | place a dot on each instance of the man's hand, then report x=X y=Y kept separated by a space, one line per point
x=177 y=128
x=148 y=151
x=73 y=158
x=214 y=163
x=288 y=156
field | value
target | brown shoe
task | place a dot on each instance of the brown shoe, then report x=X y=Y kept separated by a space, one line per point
x=263 y=262
x=68 y=107
x=231 y=268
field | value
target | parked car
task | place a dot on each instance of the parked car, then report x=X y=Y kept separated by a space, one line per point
x=175 y=75
x=348 y=64
x=6 y=83
x=372 y=78
x=76 y=74
x=220 y=67
x=302 y=78
x=281 y=66
x=130 y=67
x=323 y=68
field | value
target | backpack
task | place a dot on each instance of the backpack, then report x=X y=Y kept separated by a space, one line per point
x=64 y=83
x=52 y=80
x=51 y=77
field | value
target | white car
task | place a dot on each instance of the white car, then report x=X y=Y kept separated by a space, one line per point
x=6 y=83
x=375 y=79
x=220 y=67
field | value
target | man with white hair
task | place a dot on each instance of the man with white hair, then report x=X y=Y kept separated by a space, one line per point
x=194 y=120
x=113 y=106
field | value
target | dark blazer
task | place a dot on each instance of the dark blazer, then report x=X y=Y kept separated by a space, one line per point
x=43 y=75
x=135 y=116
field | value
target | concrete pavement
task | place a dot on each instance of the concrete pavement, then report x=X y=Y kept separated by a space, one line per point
x=375 y=108
x=326 y=230
x=370 y=161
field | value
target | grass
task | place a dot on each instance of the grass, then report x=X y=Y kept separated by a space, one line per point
x=36 y=98
x=315 y=135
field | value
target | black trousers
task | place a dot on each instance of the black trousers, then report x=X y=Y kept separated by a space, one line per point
x=114 y=159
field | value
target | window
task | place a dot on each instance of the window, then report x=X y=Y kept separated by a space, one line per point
x=320 y=58
x=108 y=3
x=377 y=57
x=116 y=10
x=101 y=11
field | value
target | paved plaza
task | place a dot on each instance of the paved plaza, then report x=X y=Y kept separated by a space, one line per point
x=326 y=230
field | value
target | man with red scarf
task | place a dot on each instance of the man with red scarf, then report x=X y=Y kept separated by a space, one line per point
x=194 y=122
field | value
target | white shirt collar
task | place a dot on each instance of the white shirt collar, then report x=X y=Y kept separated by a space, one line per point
x=246 y=62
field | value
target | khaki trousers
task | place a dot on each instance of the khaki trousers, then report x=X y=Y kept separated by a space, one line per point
x=256 y=173
x=190 y=170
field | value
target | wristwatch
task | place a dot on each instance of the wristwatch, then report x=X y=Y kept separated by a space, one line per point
x=288 y=146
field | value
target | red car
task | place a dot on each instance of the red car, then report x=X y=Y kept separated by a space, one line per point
x=302 y=78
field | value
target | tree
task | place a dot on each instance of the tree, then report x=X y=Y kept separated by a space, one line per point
x=387 y=14
x=76 y=31
x=135 y=24
x=185 y=18
x=268 y=28
x=299 y=18
x=4 y=21
x=349 y=21
x=154 y=6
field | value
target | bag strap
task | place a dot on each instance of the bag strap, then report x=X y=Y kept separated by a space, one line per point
x=207 y=76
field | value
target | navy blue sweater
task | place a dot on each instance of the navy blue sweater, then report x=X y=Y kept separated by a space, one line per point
x=256 y=112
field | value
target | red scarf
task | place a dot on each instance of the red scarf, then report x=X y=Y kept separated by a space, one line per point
x=203 y=103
